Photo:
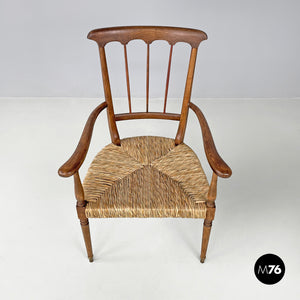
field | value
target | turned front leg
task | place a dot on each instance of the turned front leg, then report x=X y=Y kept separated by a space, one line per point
x=84 y=221
x=210 y=214
x=207 y=224
x=85 y=227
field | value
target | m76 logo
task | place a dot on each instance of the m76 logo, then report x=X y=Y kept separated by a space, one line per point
x=269 y=269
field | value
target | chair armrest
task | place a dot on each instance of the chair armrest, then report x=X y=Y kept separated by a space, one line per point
x=217 y=164
x=70 y=167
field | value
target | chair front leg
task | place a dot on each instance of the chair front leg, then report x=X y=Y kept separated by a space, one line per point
x=85 y=227
x=210 y=215
x=207 y=224
x=84 y=221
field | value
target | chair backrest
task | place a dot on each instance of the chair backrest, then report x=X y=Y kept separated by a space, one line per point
x=148 y=34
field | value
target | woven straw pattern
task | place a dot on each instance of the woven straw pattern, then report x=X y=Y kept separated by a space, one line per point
x=146 y=177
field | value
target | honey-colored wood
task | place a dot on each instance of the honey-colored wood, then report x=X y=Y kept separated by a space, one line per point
x=147 y=78
x=79 y=193
x=186 y=98
x=148 y=34
x=205 y=239
x=127 y=79
x=84 y=222
x=107 y=92
x=85 y=227
x=212 y=192
x=215 y=161
x=76 y=160
x=210 y=215
x=168 y=78
x=145 y=115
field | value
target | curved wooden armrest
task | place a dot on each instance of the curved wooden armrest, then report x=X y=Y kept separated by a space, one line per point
x=70 y=167
x=217 y=164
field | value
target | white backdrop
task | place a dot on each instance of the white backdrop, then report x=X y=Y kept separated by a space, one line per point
x=252 y=51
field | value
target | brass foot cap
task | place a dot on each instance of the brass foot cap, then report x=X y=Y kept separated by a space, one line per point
x=91 y=259
x=202 y=260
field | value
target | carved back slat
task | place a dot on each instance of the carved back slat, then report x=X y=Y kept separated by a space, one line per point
x=148 y=34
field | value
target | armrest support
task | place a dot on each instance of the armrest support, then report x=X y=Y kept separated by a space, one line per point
x=70 y=167
x=215 y=161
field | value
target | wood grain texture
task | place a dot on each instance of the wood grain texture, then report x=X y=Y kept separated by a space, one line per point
x=147 y=78
x=76 y=160
x=107 y=92
x=210 y=215
x=214 y=159
x=84 y=222
x=148 y=34
x=149 y=115
x=162 y=167
x=168 y=78
x=79 y=192
x=87 y=238
x=207 y=224
x=127 y=78
x=212 y=192
x=186 y=98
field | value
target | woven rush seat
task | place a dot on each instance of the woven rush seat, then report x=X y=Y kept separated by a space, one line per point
x=146 y=177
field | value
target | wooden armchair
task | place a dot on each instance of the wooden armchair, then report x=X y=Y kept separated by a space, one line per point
x=146 y=176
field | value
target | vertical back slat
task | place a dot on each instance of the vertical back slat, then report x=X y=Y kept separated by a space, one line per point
x=168 y=78
x=186 y=97
x=149 y=34
x=127 y=78
x=108 y=98
x=147 y=79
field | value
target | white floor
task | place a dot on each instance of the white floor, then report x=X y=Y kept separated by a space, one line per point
x=42 y=254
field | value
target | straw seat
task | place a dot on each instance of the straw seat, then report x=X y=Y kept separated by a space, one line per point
x=146 y=177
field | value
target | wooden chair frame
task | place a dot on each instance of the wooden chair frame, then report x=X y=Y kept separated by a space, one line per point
x=149 y=34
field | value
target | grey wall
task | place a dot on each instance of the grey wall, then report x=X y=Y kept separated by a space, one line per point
x=252 y=51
